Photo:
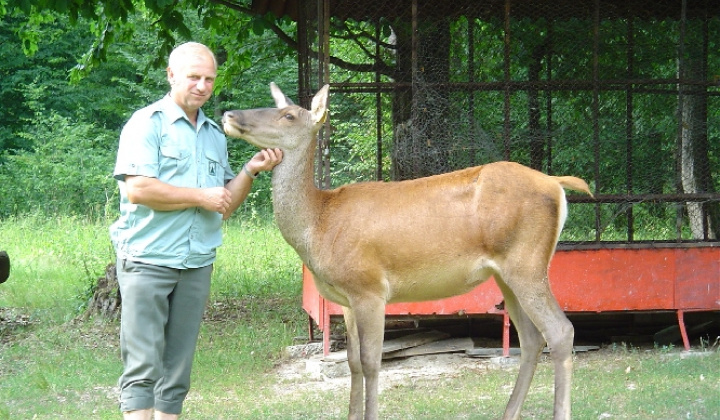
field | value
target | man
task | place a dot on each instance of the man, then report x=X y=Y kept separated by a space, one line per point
x=176 y=188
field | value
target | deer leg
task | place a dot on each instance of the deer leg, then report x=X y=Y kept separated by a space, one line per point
x=531 y=345
x=559 y=333
x=369 y=314
x=356 y=371
x=539 y=305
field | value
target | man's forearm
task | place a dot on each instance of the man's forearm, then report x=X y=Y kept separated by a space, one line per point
x=161 y=196
x=239 y=188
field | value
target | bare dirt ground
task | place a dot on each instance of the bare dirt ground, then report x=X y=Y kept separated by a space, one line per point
x=305 y=367
x=10 y=320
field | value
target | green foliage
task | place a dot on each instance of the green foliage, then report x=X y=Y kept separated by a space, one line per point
x=255 y=260
x=129 y=41
x=54 y=259
x=66 y=171
x=63 y=255
x=113 y=21
x=58 y=141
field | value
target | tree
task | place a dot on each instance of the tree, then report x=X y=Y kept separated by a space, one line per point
x=111 y=22
x=58 y=139
x=694 y=149
x=565 y=95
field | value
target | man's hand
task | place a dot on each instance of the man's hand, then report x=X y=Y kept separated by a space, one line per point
x=265 y=160
x=216 y=199
x=161 y=196
x=239 y=187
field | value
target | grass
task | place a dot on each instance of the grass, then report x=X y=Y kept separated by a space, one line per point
x=53 y=366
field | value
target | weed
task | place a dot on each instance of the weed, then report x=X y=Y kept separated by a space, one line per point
x=55 y=367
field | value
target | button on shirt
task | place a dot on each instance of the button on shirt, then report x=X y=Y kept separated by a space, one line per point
x=159 y=141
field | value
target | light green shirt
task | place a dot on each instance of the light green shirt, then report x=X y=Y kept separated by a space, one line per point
x=160 y=142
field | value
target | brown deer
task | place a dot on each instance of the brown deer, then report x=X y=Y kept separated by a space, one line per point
x=372 y=243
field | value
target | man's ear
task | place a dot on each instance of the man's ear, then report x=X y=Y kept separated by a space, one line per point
x=170 y=75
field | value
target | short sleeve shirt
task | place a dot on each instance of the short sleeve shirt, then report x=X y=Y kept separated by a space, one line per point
x=159 y=141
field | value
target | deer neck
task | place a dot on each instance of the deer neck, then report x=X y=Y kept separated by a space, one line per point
x=295 y=197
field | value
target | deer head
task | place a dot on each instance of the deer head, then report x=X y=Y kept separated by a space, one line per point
x=287 y=127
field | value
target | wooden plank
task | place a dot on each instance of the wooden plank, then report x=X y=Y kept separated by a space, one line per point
x=413 y=340
x=672 y=334
x=514 y=351
x=396 y=344
x=491 y=352
x=434 y=342
x=452 y=345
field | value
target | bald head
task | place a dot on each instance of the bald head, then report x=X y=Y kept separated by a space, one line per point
x=187 y=52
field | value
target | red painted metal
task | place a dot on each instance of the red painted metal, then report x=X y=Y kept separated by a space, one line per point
x=648 y=277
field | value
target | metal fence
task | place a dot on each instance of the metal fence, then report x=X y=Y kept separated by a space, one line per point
x=622 y=93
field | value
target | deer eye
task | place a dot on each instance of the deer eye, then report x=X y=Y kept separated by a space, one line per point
x=289 y=117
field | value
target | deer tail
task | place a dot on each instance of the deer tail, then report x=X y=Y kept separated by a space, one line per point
x=574 y=183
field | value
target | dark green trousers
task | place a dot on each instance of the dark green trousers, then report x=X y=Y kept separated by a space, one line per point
x=160 y=321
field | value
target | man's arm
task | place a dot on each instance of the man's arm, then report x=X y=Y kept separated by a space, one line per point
x=239 y=187
x=161 y=196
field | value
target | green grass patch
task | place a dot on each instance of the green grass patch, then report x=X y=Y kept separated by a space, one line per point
x=54 y=262
x=54 y=366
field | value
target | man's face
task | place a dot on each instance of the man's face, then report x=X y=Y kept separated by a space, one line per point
x=192 y=82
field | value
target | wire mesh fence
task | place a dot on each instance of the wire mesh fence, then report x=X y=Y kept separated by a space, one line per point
x=624 y=94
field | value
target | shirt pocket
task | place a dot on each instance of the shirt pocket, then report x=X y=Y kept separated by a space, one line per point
x=214 y=169
x=174 y=162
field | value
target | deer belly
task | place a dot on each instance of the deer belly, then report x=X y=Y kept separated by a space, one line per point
x=330 y=292
x=432 y=283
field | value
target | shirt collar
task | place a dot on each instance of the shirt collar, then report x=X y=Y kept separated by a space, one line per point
x=174 y=112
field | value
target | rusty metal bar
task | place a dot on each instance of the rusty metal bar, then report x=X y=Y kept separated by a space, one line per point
x=378 y=111
x=506 y=85
x=705 y=210
x=556 y=85
x=304 y=68
x=683 y=330
x=548 y=99
x=678 y=140
x=645 y=198
x=642 y=245
x=414 y=41
x=471 y=73
x=323 y=158
x=596 y=112
x=630 y=125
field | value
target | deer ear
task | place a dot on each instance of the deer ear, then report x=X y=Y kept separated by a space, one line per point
x=281 y=101
x=319 y=110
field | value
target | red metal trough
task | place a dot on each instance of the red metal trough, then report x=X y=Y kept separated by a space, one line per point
x=680 y=277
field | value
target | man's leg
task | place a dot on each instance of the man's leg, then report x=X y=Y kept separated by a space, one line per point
x=187 y=305
x=138 y=415
x=145 y=307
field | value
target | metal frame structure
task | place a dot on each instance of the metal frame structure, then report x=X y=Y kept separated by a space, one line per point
x=697 y=259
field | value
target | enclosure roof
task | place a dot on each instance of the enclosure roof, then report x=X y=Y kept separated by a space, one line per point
x=549 y=9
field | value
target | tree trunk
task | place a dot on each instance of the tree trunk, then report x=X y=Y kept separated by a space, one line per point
x=106 y=300
x=694 y=147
